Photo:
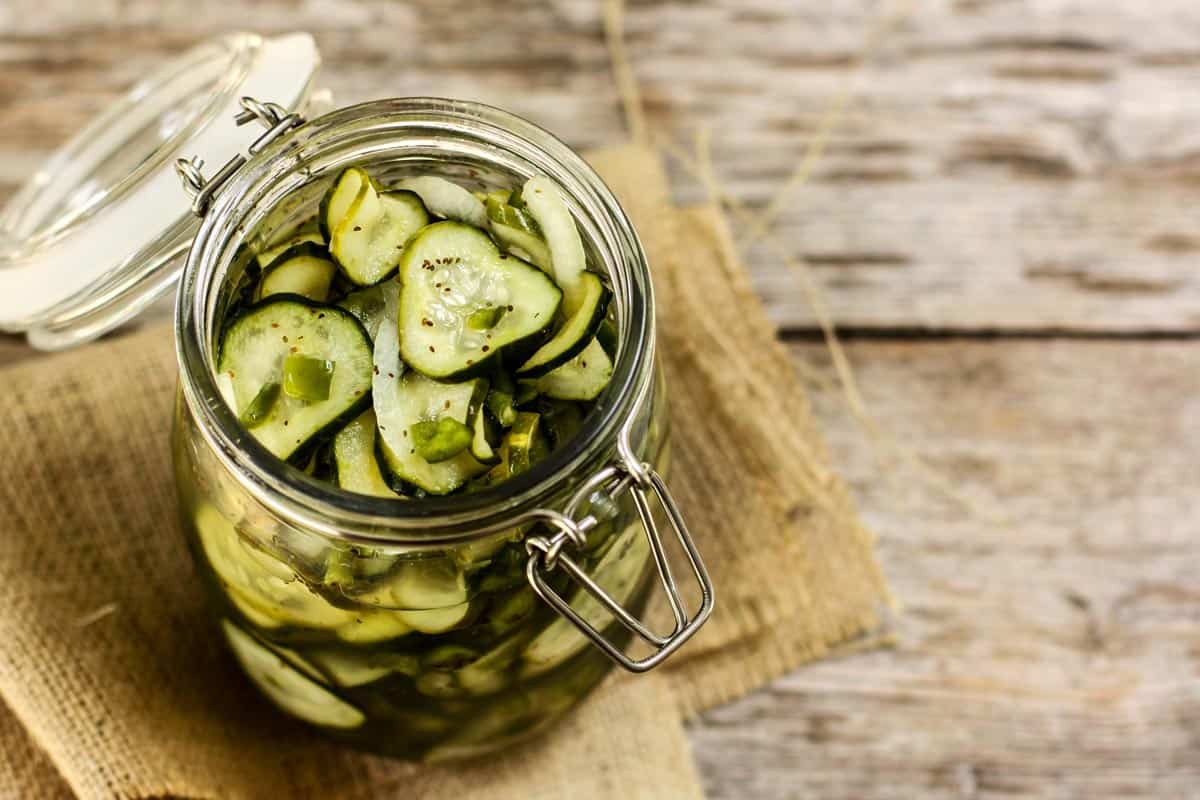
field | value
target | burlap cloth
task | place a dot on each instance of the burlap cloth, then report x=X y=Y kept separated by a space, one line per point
x=117 y=686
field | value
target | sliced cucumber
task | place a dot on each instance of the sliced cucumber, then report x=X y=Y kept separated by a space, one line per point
x=367 y=243
x=518 y=234
x=575 y=334
x=354 y=458
x=270 y=254
x=483 y=435
x=411 y=400
x=543 y=200
x=582 y=378
x=285 y=686
x=358 y=669
x=336 y=202
x=403 y=399
x=449 y=272
x=304 y=269
x=421 y=584
x=490 y=672
x=427 y=594
x=512 y=610
x=447 y=200
x=619 y=573
x=372 y=627
x=368 y=306
x=253 y=352
x=260 y=585
x=436 y=620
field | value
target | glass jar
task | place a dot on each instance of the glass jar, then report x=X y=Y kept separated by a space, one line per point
x=442 y=627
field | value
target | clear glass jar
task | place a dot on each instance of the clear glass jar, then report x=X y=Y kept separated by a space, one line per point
x=426 y=629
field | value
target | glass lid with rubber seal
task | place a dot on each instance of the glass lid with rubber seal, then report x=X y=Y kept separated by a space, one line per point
x=99 y=231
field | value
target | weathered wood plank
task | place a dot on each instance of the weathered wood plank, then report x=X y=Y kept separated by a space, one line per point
x=1051 y=653
x=1027 y=164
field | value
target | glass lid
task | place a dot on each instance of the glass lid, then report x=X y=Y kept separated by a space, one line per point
x=100 y=230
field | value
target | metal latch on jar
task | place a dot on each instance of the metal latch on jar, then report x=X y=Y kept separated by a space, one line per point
x=548 y=554
x=274 y=117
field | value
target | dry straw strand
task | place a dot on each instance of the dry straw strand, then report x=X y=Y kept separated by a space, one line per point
x=831 y=117
x=627 y=84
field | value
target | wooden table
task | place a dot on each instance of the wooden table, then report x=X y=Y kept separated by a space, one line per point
x=1007 y=227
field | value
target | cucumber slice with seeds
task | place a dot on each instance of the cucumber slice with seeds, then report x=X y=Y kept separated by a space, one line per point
x=253 y=352
x=286 y=686
x=367 y=243
x=576 y=332
x=582 y=378
x=449 y=271
x=447 y=200
x=304 y=269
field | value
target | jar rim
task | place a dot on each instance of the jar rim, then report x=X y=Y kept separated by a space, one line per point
x=308 y=502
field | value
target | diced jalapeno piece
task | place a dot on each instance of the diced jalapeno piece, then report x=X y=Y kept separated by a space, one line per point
x=260 y=407
x=441 y=439
x=484 y=319
x=500 y=398
x=512 y=216
x=307 y=379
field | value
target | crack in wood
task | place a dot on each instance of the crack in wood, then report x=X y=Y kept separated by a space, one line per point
x=856 y=259
x=1084 y=279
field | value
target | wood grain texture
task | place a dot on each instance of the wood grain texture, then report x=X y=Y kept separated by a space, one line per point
x=1007 y=164
x=1053 y=652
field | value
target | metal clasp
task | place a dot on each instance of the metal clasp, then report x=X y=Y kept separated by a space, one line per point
x=274 y=117
x=548 y=554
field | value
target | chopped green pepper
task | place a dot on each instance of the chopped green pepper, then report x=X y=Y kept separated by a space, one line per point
x=441 y=439
x=260 y=407
x=512 y=216
x=307 y=379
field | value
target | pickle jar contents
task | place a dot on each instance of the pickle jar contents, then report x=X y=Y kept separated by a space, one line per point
x=412 y=340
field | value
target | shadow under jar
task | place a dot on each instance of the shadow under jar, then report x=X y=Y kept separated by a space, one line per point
x=441 y=627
